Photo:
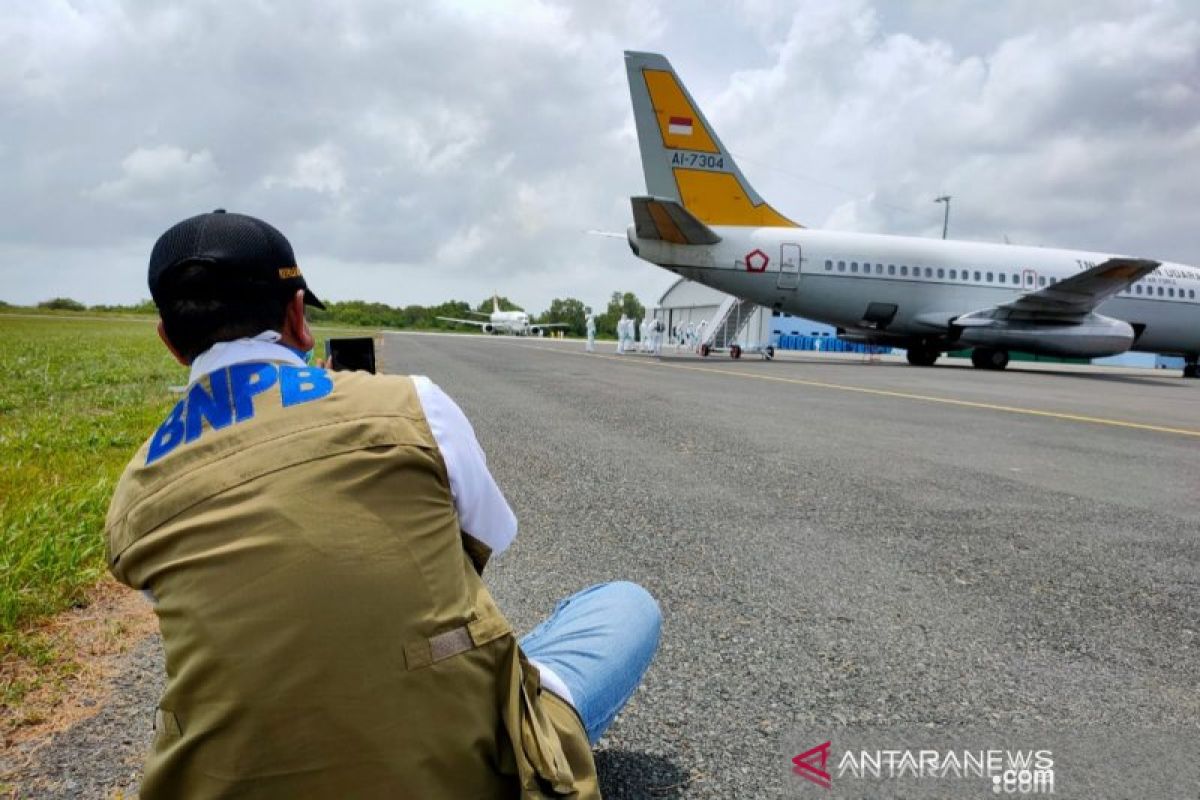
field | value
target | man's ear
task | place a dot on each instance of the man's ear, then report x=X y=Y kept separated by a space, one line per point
x=162 y=334
x=295 y=324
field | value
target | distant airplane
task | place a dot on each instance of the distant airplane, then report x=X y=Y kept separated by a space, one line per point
x=703 y=221
x=515 y=323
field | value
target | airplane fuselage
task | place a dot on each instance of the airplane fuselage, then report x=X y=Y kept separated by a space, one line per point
x=513 y=322
x=897 y=288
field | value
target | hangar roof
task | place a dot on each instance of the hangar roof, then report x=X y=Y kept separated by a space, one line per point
x=684 y=293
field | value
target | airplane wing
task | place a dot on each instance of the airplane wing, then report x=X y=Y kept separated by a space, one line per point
x=1081 y=293
x=480 y=323
x=549 y=325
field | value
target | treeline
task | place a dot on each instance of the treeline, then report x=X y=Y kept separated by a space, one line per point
x=569 y=311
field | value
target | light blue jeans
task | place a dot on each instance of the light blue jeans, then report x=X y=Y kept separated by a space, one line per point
x=599 y=642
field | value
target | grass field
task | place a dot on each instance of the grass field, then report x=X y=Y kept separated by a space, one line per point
x=79 y=394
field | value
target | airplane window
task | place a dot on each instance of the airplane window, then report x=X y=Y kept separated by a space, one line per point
x=953 y=274
x=879 y=269
x=854 y=266
x=903 y=269
x=891 y=269
x=941 y=272
x=1015 y=278
x=1160 y=291
x=1170 y=292
x=828 y=265
x=1041 y=280
x=928 y=272
x=841 y=266
x=1001 y=276
x=1191 y=294
x=989 y=277
x=977 y=275
x=1138 y=288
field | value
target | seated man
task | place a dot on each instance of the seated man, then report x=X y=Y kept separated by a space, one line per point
x=314 y=542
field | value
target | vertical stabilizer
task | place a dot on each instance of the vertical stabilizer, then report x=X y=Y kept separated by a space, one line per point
x=681 y=155
x=495 y=302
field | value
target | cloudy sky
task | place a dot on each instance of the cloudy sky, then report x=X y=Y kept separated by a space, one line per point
x=420 y=151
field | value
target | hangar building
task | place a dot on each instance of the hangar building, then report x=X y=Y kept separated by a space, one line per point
x=690 y=302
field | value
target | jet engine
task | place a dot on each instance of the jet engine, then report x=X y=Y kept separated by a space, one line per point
x=489 y=327
x=1092 y=336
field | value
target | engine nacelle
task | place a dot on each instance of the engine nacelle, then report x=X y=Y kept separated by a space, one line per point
x=489 y=327
x=1095 y=336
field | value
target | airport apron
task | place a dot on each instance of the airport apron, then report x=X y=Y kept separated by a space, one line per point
x=326 y=630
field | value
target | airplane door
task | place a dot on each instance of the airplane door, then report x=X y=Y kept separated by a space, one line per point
x=1029 y=278
x=789 y=266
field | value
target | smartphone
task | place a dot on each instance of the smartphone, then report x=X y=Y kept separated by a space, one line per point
x=351 y=354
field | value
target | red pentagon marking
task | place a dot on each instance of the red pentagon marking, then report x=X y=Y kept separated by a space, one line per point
x=756 y=261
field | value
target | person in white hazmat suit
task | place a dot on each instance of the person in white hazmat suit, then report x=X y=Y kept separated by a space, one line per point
x=591 y=331
x=622 y=333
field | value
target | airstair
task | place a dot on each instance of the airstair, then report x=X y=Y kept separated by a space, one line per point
x=733 y=315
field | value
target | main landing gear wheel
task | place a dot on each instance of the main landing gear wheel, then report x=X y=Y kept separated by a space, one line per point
x=922 y=357
x=735 y=351
x=1191 y=370
x=987 y=358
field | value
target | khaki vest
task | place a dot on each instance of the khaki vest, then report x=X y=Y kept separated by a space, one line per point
x=327 y=634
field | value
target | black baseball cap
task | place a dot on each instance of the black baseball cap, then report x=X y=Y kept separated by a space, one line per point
x=243 y=252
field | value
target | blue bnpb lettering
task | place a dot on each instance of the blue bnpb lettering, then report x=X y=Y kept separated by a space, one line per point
x=302 y=384
x=232 y=400
x=201 y=406
x=168 y=436
x=246 y=381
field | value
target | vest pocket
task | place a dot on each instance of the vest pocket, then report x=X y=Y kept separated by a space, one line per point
x=539 y=738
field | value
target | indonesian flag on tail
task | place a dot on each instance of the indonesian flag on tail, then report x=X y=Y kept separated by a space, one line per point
x=679 y=126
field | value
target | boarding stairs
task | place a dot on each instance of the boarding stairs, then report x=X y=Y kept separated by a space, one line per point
x=733 y=315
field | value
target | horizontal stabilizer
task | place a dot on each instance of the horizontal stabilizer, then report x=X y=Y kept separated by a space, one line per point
x=659 y=218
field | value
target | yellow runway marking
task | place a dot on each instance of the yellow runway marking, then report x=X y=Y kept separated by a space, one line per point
x=924 y=398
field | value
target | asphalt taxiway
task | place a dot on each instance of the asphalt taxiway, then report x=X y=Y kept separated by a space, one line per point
x=836 y=542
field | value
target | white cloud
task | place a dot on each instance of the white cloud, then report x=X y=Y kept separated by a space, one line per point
x=148 y=171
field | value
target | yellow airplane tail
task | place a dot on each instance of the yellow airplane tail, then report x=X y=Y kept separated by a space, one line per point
x=681 y=155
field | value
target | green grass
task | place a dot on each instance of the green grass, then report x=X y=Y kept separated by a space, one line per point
x=78 y=396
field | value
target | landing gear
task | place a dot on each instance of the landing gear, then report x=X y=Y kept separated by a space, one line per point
x=987 y=358
x=705 y=350
x=1191 y=369
x=922 y=356
x=735 y=351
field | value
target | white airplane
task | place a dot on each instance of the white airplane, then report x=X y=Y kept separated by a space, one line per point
x=515 y=323
x=703 y=221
